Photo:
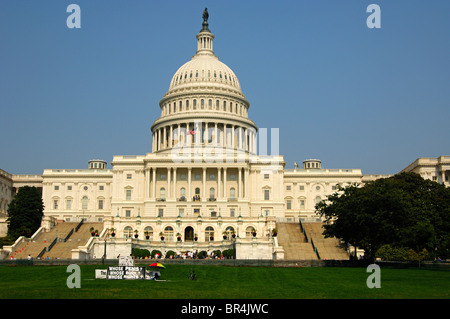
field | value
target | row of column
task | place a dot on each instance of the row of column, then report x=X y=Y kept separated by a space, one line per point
x=204 y=133
x=222 y=176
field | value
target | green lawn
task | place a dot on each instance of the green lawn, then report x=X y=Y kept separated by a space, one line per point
x=222 y=282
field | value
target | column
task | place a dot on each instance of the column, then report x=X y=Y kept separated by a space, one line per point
x=189 y=183
x=206 y=134
x=246 y=145
x=168 y=181
x=153 y=142
x=224 y=135
x=232 y=136
x=154 y=183
x=179 y=135
x=219 y=181
x=147 y=183
x=164 y=138
x=225 y=183
x=158 y=139
x=240 y=183
x=170 y=136
x=204 y=183
x=246 y=176
x=197 y=135
x=239 y=146
x=216 y=134
x=175 y=183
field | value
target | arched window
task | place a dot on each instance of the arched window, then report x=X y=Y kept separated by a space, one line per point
x=210 y=104
x=318 y=199
x=187 y=105
x=217 y=105
x=212 y=194
x=229 y=231
x=202 y=104
x=148 y=231
x=195 y=104
x=168 y=233
x=209 y=232
x=128 y=232
x=162 y=193
x=84 y=202
x=249 y=231
x=183 y=193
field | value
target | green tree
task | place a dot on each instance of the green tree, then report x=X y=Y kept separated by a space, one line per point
x=25 y=212
x=402 y=211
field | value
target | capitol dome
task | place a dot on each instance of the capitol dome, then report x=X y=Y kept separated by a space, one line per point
x=205 y=71
x=204 y=90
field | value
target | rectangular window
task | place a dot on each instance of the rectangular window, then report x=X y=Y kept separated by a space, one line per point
x=333 y=188
x=288 y=204
x=181 y=212
x=101 y=187
x=288 y=188
x=128 y=176
x=69 y=188
x=55 y=204
x=232 y=212
x=266 y=176
x=266 y=194
x=302 y=203
x=100 y=204
x=128 y=194
x=68 y=204
x=160 y=212
x=128 y=213
x=302 y=188
x=56 y=188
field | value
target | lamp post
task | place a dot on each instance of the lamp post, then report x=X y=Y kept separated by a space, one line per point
x=104 y=252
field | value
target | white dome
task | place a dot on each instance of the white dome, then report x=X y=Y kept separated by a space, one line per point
x=205 y=69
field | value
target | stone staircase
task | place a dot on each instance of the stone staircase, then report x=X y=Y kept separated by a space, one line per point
x=294 y=243
x=328 y=248
x=60 y=249
x=298 y=247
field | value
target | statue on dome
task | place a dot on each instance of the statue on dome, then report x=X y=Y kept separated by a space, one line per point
x=205 y=15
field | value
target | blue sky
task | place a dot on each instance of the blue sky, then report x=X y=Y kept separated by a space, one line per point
x=354 y=97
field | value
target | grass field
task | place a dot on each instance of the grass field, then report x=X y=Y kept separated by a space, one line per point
x=221 y=282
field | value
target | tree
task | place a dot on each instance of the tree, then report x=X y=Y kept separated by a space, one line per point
x=402 y=211
x=25 y=212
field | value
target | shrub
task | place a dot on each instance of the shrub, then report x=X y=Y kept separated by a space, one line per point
x=155 y=251
x=171 y=253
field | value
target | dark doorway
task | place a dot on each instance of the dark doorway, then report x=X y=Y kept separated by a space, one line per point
x=188 y=234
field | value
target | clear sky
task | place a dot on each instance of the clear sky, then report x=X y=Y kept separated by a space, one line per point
x=354 y=97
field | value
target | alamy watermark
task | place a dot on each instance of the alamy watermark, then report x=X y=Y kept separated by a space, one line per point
x=73 y=280
x=374 y=280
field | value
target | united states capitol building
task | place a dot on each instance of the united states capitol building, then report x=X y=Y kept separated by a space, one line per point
x=206 y=184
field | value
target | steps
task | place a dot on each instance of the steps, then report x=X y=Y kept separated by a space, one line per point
x=328 y=248
x=61 y=249
x=297 y=247
x=291 y=238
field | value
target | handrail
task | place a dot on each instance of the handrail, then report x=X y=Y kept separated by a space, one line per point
x=79 y=225
x=69 y=234
x=42 y=252
x=52 y=244
x=315 y=248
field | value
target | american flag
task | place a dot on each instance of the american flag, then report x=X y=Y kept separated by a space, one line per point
x=191 y=132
